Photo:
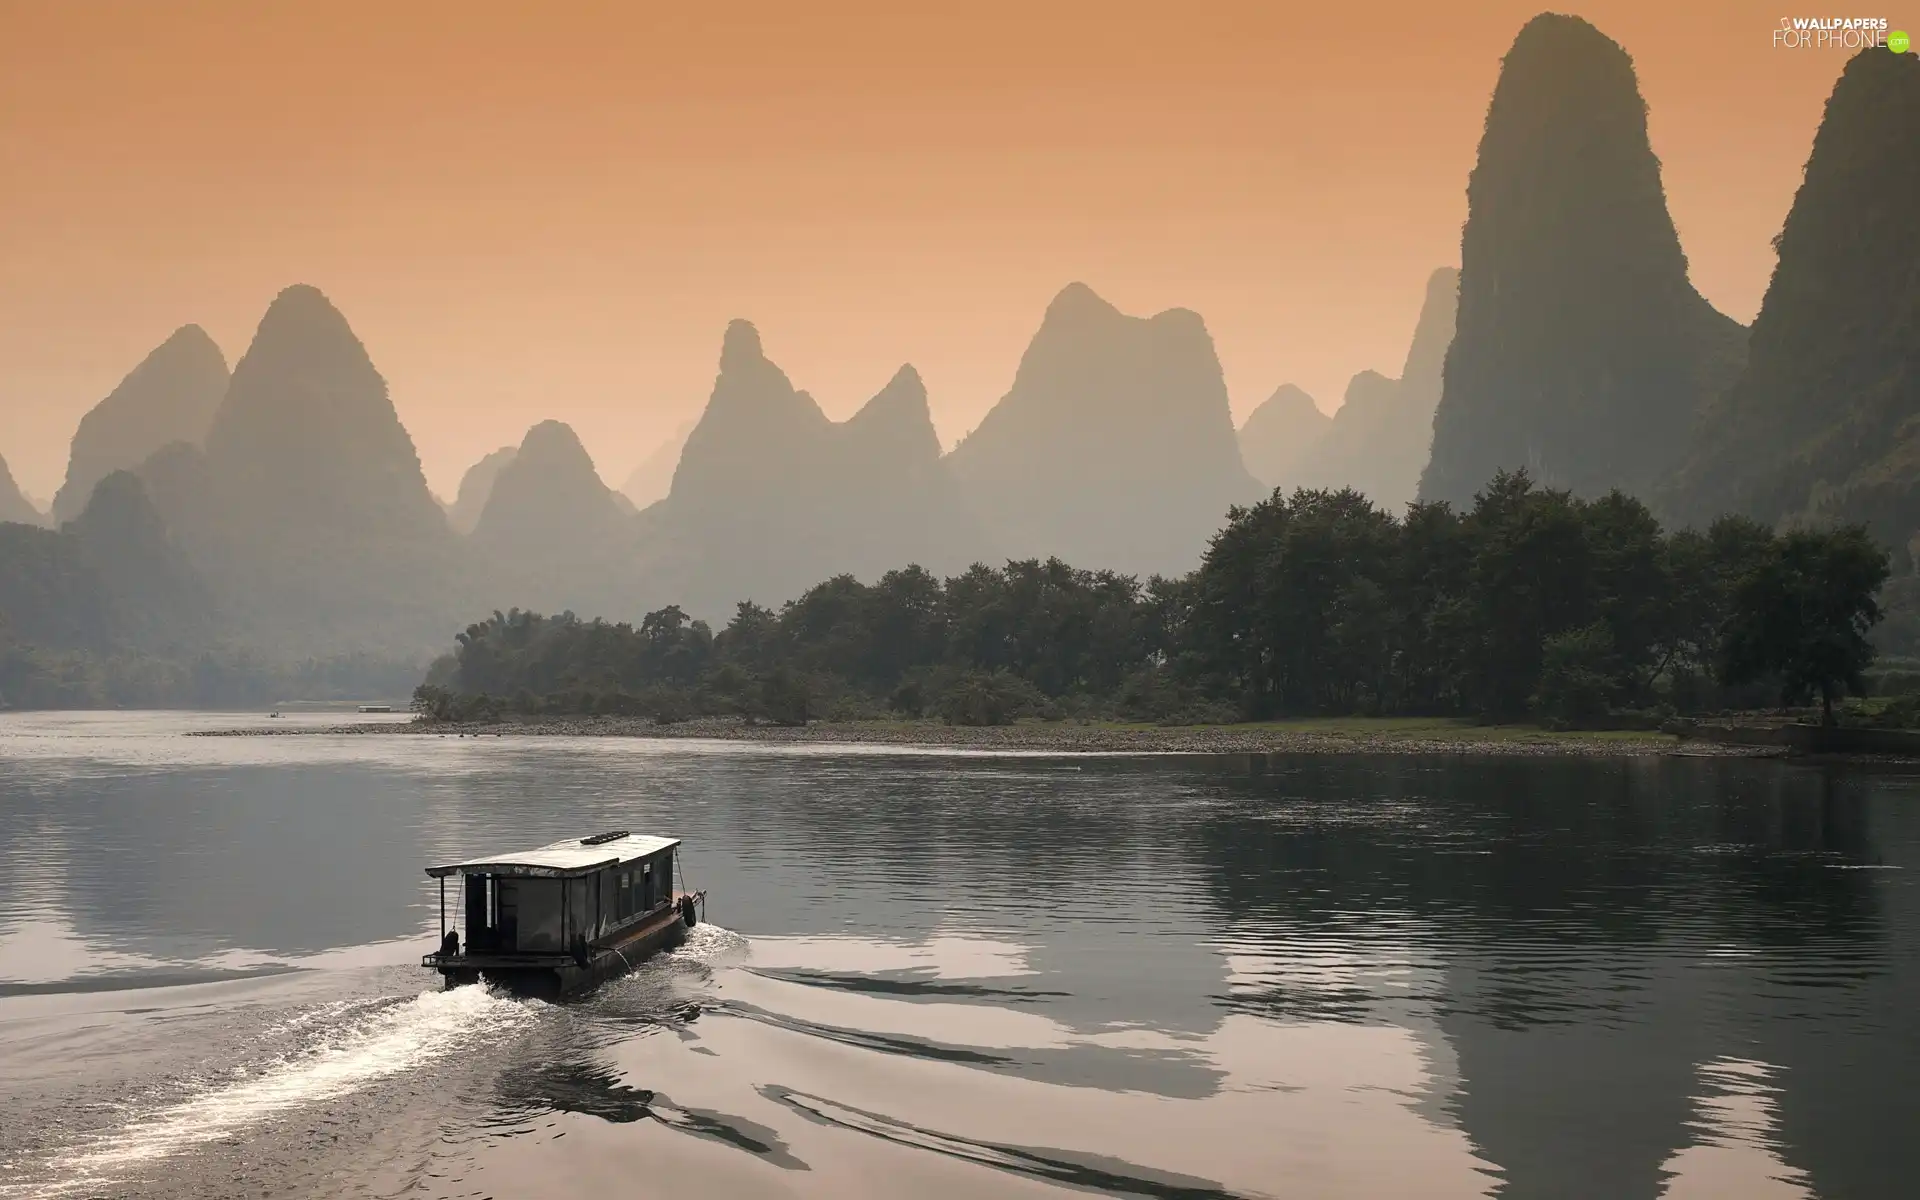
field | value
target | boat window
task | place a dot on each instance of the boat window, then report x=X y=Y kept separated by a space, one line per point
x=663 y=878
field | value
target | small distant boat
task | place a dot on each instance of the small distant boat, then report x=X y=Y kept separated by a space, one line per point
x=560 y=919
x=375 y=708
x=274 y=713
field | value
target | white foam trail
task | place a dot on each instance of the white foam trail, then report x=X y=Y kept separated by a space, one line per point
x=401 y=1038
x=711 y=944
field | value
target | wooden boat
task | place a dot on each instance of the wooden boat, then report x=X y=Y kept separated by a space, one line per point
x=557 y=920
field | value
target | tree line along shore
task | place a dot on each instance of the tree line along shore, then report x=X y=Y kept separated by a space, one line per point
x=1531 y=607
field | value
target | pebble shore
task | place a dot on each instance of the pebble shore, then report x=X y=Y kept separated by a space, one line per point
x=1061 y=736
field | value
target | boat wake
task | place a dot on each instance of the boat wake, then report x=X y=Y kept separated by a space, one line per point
x=346 y=1051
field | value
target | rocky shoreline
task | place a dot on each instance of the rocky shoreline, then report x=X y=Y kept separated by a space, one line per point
x=1073 y=737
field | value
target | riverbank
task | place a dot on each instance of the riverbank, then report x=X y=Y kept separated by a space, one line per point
x=1358 y=735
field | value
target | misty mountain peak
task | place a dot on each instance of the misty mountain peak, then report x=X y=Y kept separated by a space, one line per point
x=170 y=396
x=1181 y=323
x=754 y=424
x=1280 y=433
x=118 y=509
x=904 y=395
x=302 y=329
x=475 y=487
x=897 y=423
x=312 y=500
x=741 y=344
x=1078 y=302
x=556 y=443
x=1582 y=351
x=1103 y=403
x=553 y=534
x=308 y=415
x=547 y=487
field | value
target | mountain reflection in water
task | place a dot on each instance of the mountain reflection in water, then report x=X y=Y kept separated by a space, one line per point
x=957 y=975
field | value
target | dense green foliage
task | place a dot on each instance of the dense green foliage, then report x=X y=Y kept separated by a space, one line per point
x=1532 y=601
x=1802 y=615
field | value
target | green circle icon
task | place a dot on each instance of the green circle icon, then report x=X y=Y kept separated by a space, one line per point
x=1899 y=42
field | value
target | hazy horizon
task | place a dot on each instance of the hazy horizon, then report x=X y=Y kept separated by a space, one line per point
x=530 y=216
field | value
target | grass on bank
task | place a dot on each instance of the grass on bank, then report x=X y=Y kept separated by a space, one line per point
x=1408 y=729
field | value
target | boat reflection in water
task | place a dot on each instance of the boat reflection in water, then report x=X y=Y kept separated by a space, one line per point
x=557 y=920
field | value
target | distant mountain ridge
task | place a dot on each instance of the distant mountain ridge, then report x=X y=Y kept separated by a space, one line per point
x=1582 y=352
x=170 y=396
x=1115 y=446
x=770 y=496
x=1280 y=435
x=476 y=486
x=1379 y=439
x=650 y=482
x=553 y=536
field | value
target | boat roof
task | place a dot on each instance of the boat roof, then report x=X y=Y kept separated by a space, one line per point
x=575 y=856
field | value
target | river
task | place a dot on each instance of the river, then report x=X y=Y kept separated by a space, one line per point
x=940 y=974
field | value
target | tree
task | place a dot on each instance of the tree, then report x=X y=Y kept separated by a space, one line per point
x=784 y=697
x=1802 y=614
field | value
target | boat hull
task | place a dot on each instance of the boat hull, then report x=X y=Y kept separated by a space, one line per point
x=552 y=977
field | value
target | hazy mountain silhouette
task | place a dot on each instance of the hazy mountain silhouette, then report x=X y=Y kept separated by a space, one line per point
x=1582 y=353
x=156 y=597
x=736 y=525
x=1379 y=439
x=653 y=478
x=308 y=506
x=1114 y=448
x=475 y=486
x=1280 y=434
x=110 y=579
x=1825 y=421
x=170 y=397
x=771 y=497
x=890 y=494
x=14 y=505
x=553 y=537
x=49 y=596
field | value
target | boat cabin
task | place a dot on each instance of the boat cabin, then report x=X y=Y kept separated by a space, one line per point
x=564 y=905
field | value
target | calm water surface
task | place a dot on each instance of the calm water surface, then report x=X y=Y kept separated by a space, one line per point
x=944 y=975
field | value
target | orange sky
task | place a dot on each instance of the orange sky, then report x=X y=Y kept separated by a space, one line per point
x=551 y=210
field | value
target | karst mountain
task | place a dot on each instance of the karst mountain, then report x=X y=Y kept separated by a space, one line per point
x=1824 y=423
x=170 y=397
x=1382 y=435
x=1115 y=446
x=1280 y=435
x=770 y=496
x=308 y=505
x=553 y=537
x=1582 y=352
